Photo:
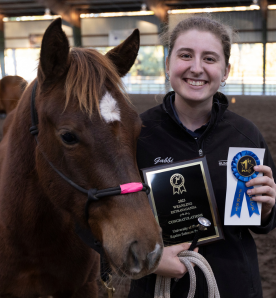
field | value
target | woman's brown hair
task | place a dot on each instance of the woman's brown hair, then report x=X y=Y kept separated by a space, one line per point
x=201 y=23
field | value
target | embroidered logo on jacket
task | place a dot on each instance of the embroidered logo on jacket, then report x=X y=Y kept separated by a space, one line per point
x=165 y=160
x=222 y=163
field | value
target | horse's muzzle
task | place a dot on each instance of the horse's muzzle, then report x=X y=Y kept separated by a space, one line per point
x=137 y=260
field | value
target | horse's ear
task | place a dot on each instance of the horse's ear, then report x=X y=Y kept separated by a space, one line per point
x=54 y=52
x=123 y=56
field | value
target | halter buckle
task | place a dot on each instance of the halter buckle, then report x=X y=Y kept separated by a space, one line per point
x=108 y=286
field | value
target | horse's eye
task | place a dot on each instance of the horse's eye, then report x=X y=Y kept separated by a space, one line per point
x=69 y=138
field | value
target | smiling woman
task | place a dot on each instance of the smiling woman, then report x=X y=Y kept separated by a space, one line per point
x=195 y=72
x=194 y=121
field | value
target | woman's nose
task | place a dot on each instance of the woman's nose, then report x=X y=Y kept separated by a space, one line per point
x=196 y=66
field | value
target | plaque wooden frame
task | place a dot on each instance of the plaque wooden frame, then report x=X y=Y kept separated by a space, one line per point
x=198 y=174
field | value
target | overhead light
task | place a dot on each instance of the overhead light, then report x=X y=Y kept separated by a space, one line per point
x=254 y=5
x=31 y=18
x=116 y=14
x=214 y=9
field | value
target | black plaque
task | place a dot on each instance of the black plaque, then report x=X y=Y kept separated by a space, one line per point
x=180 y=193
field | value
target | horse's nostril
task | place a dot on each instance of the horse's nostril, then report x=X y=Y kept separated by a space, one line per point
x=134 y=259
x=154 y=256
x=138 y=259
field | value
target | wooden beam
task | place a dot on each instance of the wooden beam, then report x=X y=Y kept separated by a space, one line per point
x=93 y=2
x=68 y=14
x=263 y=6
x=2 y=46
x=59 y=7
x=77 y=29
x=15 y=1
x=25 y=6
x=159 y=8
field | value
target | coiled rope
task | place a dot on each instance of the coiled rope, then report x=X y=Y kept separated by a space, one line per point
x=163 y=284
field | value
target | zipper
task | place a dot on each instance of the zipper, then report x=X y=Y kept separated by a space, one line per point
x=251 y=284
x=200 y=150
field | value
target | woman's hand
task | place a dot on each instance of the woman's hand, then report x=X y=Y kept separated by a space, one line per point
x=170 y=266
x=266 y=193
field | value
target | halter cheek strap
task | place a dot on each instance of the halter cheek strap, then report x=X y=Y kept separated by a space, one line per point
x=94 y=194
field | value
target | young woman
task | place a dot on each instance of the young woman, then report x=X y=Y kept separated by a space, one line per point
x=194 y=121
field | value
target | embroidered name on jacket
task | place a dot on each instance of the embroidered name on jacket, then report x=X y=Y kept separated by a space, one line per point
x=165 y=160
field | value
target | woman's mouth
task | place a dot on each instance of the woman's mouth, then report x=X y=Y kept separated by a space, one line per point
x=195 y=82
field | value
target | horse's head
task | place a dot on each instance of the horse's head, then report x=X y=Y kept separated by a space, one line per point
x=88 y=131
x=11 y=89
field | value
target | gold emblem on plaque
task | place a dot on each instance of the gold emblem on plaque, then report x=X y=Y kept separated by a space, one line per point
x=177 y=182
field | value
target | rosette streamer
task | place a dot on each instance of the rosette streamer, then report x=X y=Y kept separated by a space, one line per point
x=241 y=189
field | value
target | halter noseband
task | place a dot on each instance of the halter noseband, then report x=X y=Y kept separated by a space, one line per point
x=93 y=193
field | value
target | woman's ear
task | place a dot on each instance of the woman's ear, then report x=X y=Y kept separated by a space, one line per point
x=167 y=65
x=226 y=73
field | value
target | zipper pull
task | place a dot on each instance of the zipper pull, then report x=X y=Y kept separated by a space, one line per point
x=240 y=235
x=200 y=152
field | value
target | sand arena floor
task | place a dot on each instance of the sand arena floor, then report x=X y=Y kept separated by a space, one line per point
x=261 y=111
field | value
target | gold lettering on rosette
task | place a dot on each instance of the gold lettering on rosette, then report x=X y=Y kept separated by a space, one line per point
x=247 y=166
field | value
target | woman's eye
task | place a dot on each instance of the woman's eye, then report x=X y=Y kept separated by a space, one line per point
x=186 y=56
x=69 y=138
x=210 y=59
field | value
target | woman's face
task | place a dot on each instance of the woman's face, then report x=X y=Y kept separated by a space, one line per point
x=197 y=66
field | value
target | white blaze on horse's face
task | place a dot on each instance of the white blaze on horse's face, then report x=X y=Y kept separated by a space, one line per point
x=109 y=108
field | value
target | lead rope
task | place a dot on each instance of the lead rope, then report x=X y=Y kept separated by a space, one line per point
x=163 y=284
x=187 y=257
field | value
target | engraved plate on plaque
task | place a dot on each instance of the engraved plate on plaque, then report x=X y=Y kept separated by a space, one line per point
x=181 y=193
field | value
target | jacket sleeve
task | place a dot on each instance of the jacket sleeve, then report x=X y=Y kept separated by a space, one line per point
x=271 y=224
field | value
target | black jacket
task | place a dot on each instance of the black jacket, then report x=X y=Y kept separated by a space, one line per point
x=233 y=260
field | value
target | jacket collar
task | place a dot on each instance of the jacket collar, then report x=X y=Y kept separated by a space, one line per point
x=220 y=105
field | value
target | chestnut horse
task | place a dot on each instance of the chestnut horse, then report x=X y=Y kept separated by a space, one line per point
x=11 y=89
x=87 y=131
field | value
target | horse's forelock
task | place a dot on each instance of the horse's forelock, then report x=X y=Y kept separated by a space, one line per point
x=88 y=72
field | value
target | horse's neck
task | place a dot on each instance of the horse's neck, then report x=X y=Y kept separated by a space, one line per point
x=21 y=195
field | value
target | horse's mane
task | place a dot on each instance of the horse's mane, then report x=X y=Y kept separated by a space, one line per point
x=88 y=72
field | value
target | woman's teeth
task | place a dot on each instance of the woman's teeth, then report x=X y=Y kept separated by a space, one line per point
x=195 y=83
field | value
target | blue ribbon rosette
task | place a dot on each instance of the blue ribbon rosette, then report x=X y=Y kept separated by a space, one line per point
x=242 y=168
